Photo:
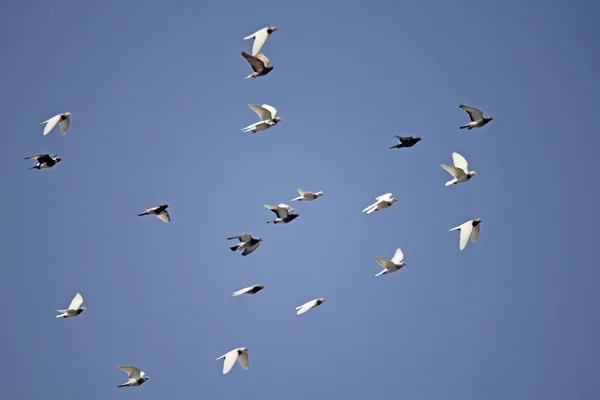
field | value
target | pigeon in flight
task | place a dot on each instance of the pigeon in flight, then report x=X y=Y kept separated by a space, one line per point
x=249 y=290
x=469 y=229
x=240 y=354
x=267 y=115
x=247 y=243
x=477 y=118
x=406 y=141
x=135 y=375
x=307 y=306
x=160 y=211
x=260 y=38
x=392 y=265
x=307 y=196
x=460 y=172
x=259 y=63
x=45 y=160
x=384 y=201
x=74 y=308
x=284 y=213
x=63 y=121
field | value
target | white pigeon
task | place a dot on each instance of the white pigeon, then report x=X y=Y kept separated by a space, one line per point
x=249 y=290
x=307 y=306
x=468 y=230
x=74 y=308
x=460 y=172
x=135 y=375
x=392 y=265
x=247 y=243
x=260 y=38
x=160 y=211
x=267 y=115
x=307 y=196
x=384 y=201
x=240 y=354
x=477 y=118
x=63 y=120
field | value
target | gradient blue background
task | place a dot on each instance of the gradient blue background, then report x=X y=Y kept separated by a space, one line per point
x=158 y=99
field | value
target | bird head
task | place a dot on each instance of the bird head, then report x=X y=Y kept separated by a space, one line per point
x=277 y=119
x=393 y=200
x=319 y=194
x=322 y=300
x=472 y=173
x=272 y=29
x=478 y=220
x=145 y=377
x=418 y=138
x=490 y=118
x=67 y=114
x=260 y=286
x=259 y=239
x=58 y=159
x=82 y=308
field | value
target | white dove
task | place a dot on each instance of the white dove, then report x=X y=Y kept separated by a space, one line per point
x=392 y=265
x=307 y=196
x=469 y=229
x=135 y=375
x=460 y=171
x=249 y=290
x=307 y=306
x=74 y=308
x=240 y=354
x=384 y=201
x=63 y=120
x=267 y=115
x=477 y=118
x=260 y=38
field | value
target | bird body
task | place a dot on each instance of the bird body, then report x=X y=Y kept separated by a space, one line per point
x=247 y=243
x=468 y=230
x=45 y=160
x=307 y=196
x=392 y=265
x=240 y=354
x=384 y=201
x=259 y=63
x=160 y=211
x=460 y=171
x=477 y=118
x=63 y=121
x=406 y=141
x=260 y=38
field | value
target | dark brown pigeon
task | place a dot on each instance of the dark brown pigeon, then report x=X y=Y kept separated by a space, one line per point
x=260 y=65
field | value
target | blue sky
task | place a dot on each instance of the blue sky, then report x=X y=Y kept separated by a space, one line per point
x=158 y=99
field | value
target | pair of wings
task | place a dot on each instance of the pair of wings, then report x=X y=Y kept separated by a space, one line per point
x=260 y=38
x=258 y=62
x=76 y=302
x=41 y=158
x=474 y=114
x=461 y=166
x=132 y=372
x=467 y=231
x=398 y=257
x=306 y=306
x=264 y=112
x=51 y=123
x=245 y=290
x=230 y=359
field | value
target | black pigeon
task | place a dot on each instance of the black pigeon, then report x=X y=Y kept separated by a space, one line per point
x=45 y=160
x=406 y=141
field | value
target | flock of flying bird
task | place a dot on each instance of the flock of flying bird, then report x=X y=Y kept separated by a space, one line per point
x=285 y=214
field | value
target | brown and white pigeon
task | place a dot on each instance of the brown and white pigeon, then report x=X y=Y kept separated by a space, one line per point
x=259 y=63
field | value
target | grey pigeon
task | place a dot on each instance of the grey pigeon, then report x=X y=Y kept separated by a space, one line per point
x=160 y=211
x=284 y=214
x=259 y=63
x=477 y=118
x=45 y=160
x=406 y=141
x=247 y=243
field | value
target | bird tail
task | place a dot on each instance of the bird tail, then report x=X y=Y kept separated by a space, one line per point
x=270 y=222
x=234 y=248
x=250 y=76
x=144 y=213
x=452 y=182
x=382 y=272
x=35 y=167
x=122 y=385
x=299 y=198
x=463 y=127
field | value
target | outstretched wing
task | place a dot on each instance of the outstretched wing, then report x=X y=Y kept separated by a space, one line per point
x=281 y=212
x=404 y=138
x=370 y=207
x=243 y=238
x=260 y=38
x=229 y=361
x=76 y=302
x=164 y=216
x=132 y=372
x=263 y=113
x=384 y=263
x=460 y=162
x=475 y=233
x=272 y=110
x=474 y=113
x=50 y=124
x=398 y=256
x=465 y=234
x=384 y=197
x=64 y=125
x=305 y=307
x=256 y=64
x=243 y=360
x=455 y=172
x=263 y=58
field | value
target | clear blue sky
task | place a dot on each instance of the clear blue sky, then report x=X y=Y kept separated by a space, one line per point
x=158 y=99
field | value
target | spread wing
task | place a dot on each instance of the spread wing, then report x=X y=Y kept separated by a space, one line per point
x=242 y=291
x=256 y=64
x=229 y=361
x=384 y=197
x=370 y=207
x=260 y=38
x=404 y=138
x=474 y=113
x=384 y=263
x=465 y=234
x=305 y=307
x=76 y=302
x=164 y=216
x=243 y=238
x=263 y=58
x=475 y=233
x=64 y=125
x=249 y=250
x=455 y=172
x=132 y=372
x=41 y=158
x=50 y=124
x=398 y=256
x=263 y=113
x=272 y=110
x=460 y=162
x=281 y=212
x=243 y=360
